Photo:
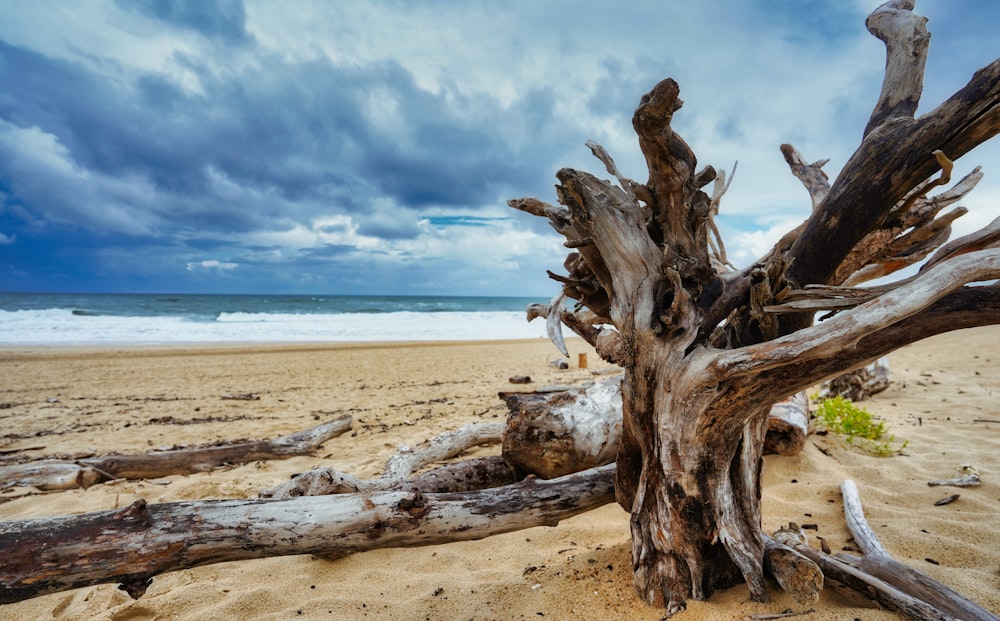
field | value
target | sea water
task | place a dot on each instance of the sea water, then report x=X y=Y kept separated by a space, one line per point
x=149 y=319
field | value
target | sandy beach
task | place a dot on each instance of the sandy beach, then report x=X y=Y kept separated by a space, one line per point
x=944 y=401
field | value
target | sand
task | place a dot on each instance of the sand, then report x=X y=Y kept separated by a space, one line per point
x=75 y=401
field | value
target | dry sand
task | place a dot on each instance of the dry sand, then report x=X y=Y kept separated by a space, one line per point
x=75 y=401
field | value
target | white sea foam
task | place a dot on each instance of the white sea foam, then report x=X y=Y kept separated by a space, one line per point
x=63 y=327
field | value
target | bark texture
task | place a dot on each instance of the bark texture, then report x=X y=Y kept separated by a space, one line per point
x=707 y=349
x=133 y=544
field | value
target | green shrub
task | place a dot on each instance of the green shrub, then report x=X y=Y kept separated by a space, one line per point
x=856 y=424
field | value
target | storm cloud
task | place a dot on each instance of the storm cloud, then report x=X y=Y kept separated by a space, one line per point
x=370 y=147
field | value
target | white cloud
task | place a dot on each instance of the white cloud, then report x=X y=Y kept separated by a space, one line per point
x=7 y=239
x=212 y=264
x=44 y=174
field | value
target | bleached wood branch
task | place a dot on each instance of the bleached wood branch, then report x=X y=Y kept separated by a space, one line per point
x=637 y=190
x=53 y=474
x=969 y=477
x=816 y=182
x=131 y=545
x=877 y=562
x=906 y=40
x=398 y=468
x=986 y=237
x=716 y=246
x=844 y=330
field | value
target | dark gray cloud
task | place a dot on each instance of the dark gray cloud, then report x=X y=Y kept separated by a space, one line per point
x=366 y=138
x=294 y=131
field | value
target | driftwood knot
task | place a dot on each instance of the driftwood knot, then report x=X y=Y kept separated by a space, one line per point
x=415 y=505
x=136 y=513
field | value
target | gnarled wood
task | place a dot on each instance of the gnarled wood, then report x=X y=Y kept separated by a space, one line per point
x=55 y=474
x=706 y=350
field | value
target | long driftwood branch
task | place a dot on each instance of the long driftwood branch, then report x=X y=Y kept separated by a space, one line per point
x=57 y=474
x=890 y=162
x=133 y=544
x=880 y=577
x=878 y=563
x=843 y=331
x=464 y=476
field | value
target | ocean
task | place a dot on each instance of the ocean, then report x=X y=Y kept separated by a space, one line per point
x=30 y=319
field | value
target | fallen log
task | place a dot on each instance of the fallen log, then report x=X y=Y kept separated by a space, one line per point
x=131 y=545
x=788 y=425
x=56 y=474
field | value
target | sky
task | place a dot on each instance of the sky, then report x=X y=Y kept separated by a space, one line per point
x=352 y=147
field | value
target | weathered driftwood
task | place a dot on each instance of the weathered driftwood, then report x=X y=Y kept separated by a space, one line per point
x=706 y=349
x=788 y=425
x=463 y=476
x=968 y=477
x=133 y=544
x=800 y=577
x=55 y=474
x=882 y=578
x=550 y=434
x=859 y=384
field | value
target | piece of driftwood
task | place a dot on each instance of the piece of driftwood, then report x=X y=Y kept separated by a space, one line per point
x=133 y=544
x=788 y=425
x=550 y=433
x=877 y=562
x=880 y=577
x=54 y=474
x=799 y=576
x=553 y=433
x=968 y=477
x=859 y=384
x=706 y=349
x=406 y=461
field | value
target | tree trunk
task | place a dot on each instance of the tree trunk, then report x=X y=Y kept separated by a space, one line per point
x=696 y=502
x=133 y=544
x=556 y=431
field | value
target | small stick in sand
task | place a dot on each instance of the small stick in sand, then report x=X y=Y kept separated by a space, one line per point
x=968 y=477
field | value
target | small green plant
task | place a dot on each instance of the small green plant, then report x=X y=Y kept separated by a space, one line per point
x=856 y=424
